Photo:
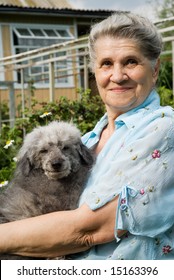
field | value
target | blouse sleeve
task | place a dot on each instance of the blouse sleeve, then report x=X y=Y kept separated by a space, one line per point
x=146 y=202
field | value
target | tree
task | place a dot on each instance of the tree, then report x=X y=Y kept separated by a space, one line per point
x=166 y=9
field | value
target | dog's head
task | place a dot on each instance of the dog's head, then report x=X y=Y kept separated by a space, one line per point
x=56 y=149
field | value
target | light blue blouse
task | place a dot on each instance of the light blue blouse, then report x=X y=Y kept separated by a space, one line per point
x=137 y=163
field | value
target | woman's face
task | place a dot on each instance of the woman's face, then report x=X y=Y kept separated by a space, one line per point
x=124 y=76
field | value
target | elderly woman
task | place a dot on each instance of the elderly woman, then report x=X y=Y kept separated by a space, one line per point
x=126 y=210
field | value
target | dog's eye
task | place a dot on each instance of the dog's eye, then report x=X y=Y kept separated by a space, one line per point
x=43 y=151
x=65 y=148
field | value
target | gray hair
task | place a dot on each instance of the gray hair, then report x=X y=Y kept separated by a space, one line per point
x=130 y=26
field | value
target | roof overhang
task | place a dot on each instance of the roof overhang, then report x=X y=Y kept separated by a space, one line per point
x=56 y=12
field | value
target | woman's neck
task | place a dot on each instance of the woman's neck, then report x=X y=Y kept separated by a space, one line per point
x=111 y=126
x=107 y=132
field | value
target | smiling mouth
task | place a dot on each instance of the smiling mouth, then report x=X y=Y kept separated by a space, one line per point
x=120 y=89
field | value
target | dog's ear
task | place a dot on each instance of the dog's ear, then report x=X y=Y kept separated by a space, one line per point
x=85 y=154
x=25 y=165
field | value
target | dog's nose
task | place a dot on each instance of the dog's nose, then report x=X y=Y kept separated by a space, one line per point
x=57 y=164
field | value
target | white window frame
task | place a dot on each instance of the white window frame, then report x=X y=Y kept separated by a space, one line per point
x=45 y=36
x=16 y=27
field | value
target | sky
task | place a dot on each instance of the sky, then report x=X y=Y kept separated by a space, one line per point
x=143 y=7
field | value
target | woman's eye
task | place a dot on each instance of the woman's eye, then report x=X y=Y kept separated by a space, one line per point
x=131 y=62
x=106 y=63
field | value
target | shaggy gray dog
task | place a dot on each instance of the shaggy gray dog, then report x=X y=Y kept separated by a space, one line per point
x=53 y=166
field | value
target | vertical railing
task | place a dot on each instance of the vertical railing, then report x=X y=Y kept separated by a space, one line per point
x=51 y=80
x=12 y=104
x=86 y=71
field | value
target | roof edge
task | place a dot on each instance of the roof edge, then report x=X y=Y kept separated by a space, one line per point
x=55 y=11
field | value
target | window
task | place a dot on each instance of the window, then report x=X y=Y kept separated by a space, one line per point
x=34 y=33
x=30 y=38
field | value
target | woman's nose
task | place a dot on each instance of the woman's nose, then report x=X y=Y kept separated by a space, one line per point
x=118 y=74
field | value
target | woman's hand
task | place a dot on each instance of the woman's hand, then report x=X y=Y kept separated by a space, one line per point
x=59 y=233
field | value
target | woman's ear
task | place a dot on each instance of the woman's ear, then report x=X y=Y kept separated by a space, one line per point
x=156 y=70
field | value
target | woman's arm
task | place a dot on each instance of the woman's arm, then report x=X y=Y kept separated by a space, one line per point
x=59 y=233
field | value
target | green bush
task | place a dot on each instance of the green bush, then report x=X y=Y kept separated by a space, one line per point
x=166 y=96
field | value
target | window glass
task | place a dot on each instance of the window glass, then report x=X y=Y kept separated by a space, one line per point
x=50 y=33
x=23 y=32
x=63 y=33
x=27 y=39
x=37 y=32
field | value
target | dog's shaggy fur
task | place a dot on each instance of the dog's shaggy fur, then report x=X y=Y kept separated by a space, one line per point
x=53 y=166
